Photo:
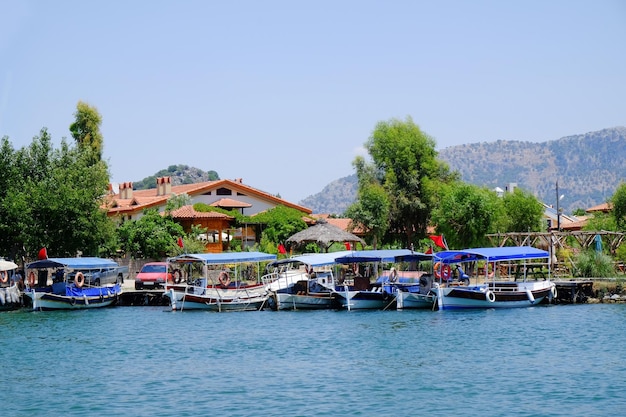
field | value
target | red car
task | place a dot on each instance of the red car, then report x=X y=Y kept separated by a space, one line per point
x=152 y=275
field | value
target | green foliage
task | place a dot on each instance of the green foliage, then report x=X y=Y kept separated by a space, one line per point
x=177 y=201
x=579 y=212
x=591 y=264
x=371 y=210
x=406 y=165
x=466 y=213
x=151 y=236
x=53 y=198
x=524 y=212
x=600 y=221
x=86 y=129
x=618 y=201
x=278 y=224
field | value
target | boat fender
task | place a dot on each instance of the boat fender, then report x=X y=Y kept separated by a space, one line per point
x=4 y=277
x=530 y=296
x=224 y=278
x=442 y=271
x=554 y=293
x=72 y=301
x=31 y=279
x=490 y=296
x=79 y=280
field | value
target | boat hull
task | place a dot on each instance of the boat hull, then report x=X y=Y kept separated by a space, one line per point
x=361 y=300
x=496 y=295
x=46 y=301
x=10 y=298
x=315 y=301
x=190 y=299
x=414 y=300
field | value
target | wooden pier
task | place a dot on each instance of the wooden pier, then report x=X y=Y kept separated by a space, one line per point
x=143 y=298
x=573 y=291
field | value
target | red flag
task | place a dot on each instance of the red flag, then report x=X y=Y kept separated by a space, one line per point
x=43 y=254
x=180 y=242
x=348 y=246
x=429 y=251
x=439 y=241
x=281 y=249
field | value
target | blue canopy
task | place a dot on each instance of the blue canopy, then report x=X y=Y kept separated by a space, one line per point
x=505 y=253
x=73 y=263
x=223 y=258
x=382 y=255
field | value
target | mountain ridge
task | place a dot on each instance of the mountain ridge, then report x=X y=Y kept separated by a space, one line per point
x=588 y=168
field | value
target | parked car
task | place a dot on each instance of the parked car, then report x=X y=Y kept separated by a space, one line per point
x=100 y=276
x=152 y=275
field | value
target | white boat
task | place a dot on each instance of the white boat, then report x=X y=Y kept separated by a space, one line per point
x=205 y=281
x=304 y=282
x=10 y=294
x=68 y=290
x=389 y=289
x=495 y=292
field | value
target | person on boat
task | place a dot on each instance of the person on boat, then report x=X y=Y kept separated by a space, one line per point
x=58 y=276
x=18 y=279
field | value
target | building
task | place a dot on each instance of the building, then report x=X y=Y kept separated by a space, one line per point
x=128 y=204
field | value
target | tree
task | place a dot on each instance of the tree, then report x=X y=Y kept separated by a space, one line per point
x=466 y=213
x=618 y=201
x=151 y=236
x=55 y=200
x=406 y=165
x=86 y=129
x=524 y=211
x=276 y=225
x=370 y=211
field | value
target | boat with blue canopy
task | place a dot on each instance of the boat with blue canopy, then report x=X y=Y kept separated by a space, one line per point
x=302 y=282
x=395 y=286
x=519 y=290
x=228 y=281
x=59 y=284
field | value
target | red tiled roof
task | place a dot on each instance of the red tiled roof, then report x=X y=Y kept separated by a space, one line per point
x=605 y=207
x=187 y=212
x=230 y=203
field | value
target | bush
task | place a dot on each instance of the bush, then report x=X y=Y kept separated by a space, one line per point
x=591 y=264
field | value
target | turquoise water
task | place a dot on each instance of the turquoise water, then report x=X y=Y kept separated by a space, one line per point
x=147 y=361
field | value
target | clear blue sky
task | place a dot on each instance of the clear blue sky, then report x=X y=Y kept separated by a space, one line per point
x=285 y=93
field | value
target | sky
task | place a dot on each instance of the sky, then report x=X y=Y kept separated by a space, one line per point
x=284 y=94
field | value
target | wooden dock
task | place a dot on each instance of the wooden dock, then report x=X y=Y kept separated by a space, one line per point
x=143 y=298
x=573 y=291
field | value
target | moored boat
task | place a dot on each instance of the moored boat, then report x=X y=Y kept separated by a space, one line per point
x=10 y=294
x=358 y=292
x=495 y=292
x=304 y=282
x=68 y=289
x=205 y=281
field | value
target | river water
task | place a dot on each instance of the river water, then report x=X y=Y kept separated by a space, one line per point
x=563 y=360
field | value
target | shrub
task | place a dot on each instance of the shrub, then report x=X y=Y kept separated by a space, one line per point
x=591 y=264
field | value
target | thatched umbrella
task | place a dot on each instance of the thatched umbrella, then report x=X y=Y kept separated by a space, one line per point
x=323 y=234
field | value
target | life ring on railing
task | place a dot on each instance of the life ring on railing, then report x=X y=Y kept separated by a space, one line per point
x=490 y=296
x=4 y=277
x=31 y=279
x=79 y=280
x=177 y=274
x=224 y=279
x=442 y=271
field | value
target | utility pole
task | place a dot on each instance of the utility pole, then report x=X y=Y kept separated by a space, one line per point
x=558 y=209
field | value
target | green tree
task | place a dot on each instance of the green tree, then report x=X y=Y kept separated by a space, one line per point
x=57 y=201
x=276 y=225
x=524 y=211
x=153 y=235
x=86 y=129
x=466 y=213
x=406 y=165
x=370 y=211
x=618 y=201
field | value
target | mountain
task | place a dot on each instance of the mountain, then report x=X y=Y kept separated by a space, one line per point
x=180 y=174
x=588 y=168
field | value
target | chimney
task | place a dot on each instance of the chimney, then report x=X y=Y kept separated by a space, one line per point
x=164 y=185
x=126 y=190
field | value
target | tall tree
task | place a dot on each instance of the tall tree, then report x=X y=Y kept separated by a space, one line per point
x=86 y=129
x=619 y=206
x=524 y=211
x=370 y=211
x=407 y=166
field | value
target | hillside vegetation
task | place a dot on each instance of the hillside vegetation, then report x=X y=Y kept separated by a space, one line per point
x=588 y=167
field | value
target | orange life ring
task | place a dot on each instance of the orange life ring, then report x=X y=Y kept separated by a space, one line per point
x=442 y=271
x=31 y=279
x=4 y=277
x=79 y=280
x=224 y=278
